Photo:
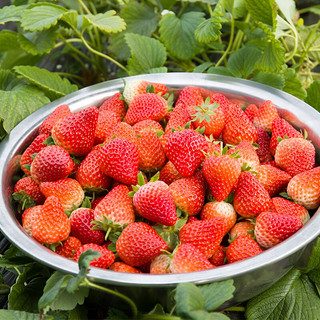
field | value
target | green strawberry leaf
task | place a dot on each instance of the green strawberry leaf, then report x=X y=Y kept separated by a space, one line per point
x=271 y=79
x=314 y=259
x=22 y=315
x=293 y=85
x=287 y=7
x=202 y=67
x=11 y=13
x=54 y=86
x=237 y=6
x=8 y=40
x=223 y=71
x=313 y=95
x=209 y=30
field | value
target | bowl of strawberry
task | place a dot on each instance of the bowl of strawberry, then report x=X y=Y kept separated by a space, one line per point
x=171 y=178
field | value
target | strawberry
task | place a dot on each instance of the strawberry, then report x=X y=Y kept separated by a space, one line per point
x=169 y=173
x=123 y=267
x=243 y=227
x=206 y=235
x=219 y=256
x=220 y=209
x=265 y=116
x=28 y=218
x=69 y=247
x=51 y=224
x=95 y=202
x=35 y=147
x=115 y=104
x=146 y=106
x=138 y=244
x=189 y=193
x=119 y=159
x=160 y=264
x=295 y=155
x=263 y=142
x=230 y=109
x=107 y=120
x=89 y=174
x=59 y=113
x=189 y=96
x=214 y=147
x=251 y=198
x=272 y=228
x=188 y=258
x=154 y=202
x=104 y=261
x=50 y=164
x=304 y=188
x=125 y=131
x=147 y=124
x=184 y=149
x=280 y=129
x=81 y=226
x=135 y=87
x=28 y=187
x=251 y=111
x=273 y=179
x=179 y=118
x=241 y=248
x=284 y=206
x=68 y=191
x=76 y=132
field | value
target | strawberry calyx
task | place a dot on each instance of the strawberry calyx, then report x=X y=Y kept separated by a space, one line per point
x=49 y=141
x=24 y=201
x=108 y=226
x=205 y=110
x=142 y=182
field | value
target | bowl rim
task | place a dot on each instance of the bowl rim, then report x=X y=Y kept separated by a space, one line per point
x=11 y=145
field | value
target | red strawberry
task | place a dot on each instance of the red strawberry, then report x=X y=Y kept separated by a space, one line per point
x=169 y=173
x=304 y=188
x=242 y=247
x=160 y=264
x=59 y=113
x=68 y=247
x=76 y=132
x=146 y=106
x=295 y=155
x=27 y=186
x=28 y=218
x=125 y=131
x=251 y=198
x=179 y=118
x=230 y=109
x=189 y=258
x=81 y=226
x=104 y=261
x=219 y=256
x=50 y=164
x=115 y=104
x=147 y=124
x=119 y=159
x=138 y=244
x=35 y=147
x=265 y=116
x=68 y=191
x=51 y=224
x=263 y=142
x=243 y=227
x=123 y=267
x=184 y=149
x=272 y=228
x=154 y=202
x=214 y=147
x=251 y=111
x=206 y=235
x=189 y=96
x=95 y=202
x=107 y=120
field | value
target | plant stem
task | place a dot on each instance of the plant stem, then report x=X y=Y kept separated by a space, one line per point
x=69 y=75
x=159 y=316
x=82 y=4
x=210 y=9
x=236 y=309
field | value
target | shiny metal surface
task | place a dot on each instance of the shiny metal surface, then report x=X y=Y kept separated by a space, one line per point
x=250 y=276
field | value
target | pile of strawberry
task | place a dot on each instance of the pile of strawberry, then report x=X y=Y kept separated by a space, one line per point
x=157 y=189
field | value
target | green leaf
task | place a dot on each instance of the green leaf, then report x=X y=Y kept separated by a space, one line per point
x=287 y=7
x=54 y=86
x=238 y=7
x=208 y=30
x=220 y=70
x=22 y=315
x=313 y=95
x=146 y=53
x=271 y=79
x=242 y=62
x=314 y=259
x=8 y=40
x=17 y=99
x=202 y=67
x=293 y=85
x=204 y=315
x=315 y=10
x=157 y=70
x=11 y=13
x=178 y=34
x=106 y=22
x=314 y=276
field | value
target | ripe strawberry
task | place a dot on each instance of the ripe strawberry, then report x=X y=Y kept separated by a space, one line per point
x=81 y=226
x=206 y=235
x=272 y=228
x=50 y=164
x=51 y=224
x=89 y=174
x=59 y=113
x=115 y=104
x=243 y=227
x=220 y=209
x=184 y=149
x=147 y=124
x=273 y=179
x=133 y=88
x=123 y=267
x=138 y=244
x=69 y=247
x=104 y=261
x=230 y=109
x=35 y=147
x=251 y=111
x=189 y=193
x=241 y=248
x=251 y=198
x=263 y=142
x=221 y=173
x=76 y=132
x=284 y=206
x=107 y=120
x=146 y=106
x=154 y=202
x=219 y=256
x=179 y=118
x=188 y=258
x=304 y=188
x=295 y=155
x=125 y=131
x=214 y=147
x=28 y=187
x=28 y=218
x=265 y=116
x=119 y=159
x=280 y=129
x=189 y=96
x=160 y=264
x=95 y=202
x=169 y=173
x=68 y=191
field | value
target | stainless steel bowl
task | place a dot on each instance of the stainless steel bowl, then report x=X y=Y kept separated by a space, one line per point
x=250 y=276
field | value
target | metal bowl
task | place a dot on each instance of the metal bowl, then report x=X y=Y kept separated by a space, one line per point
x=250 y=276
